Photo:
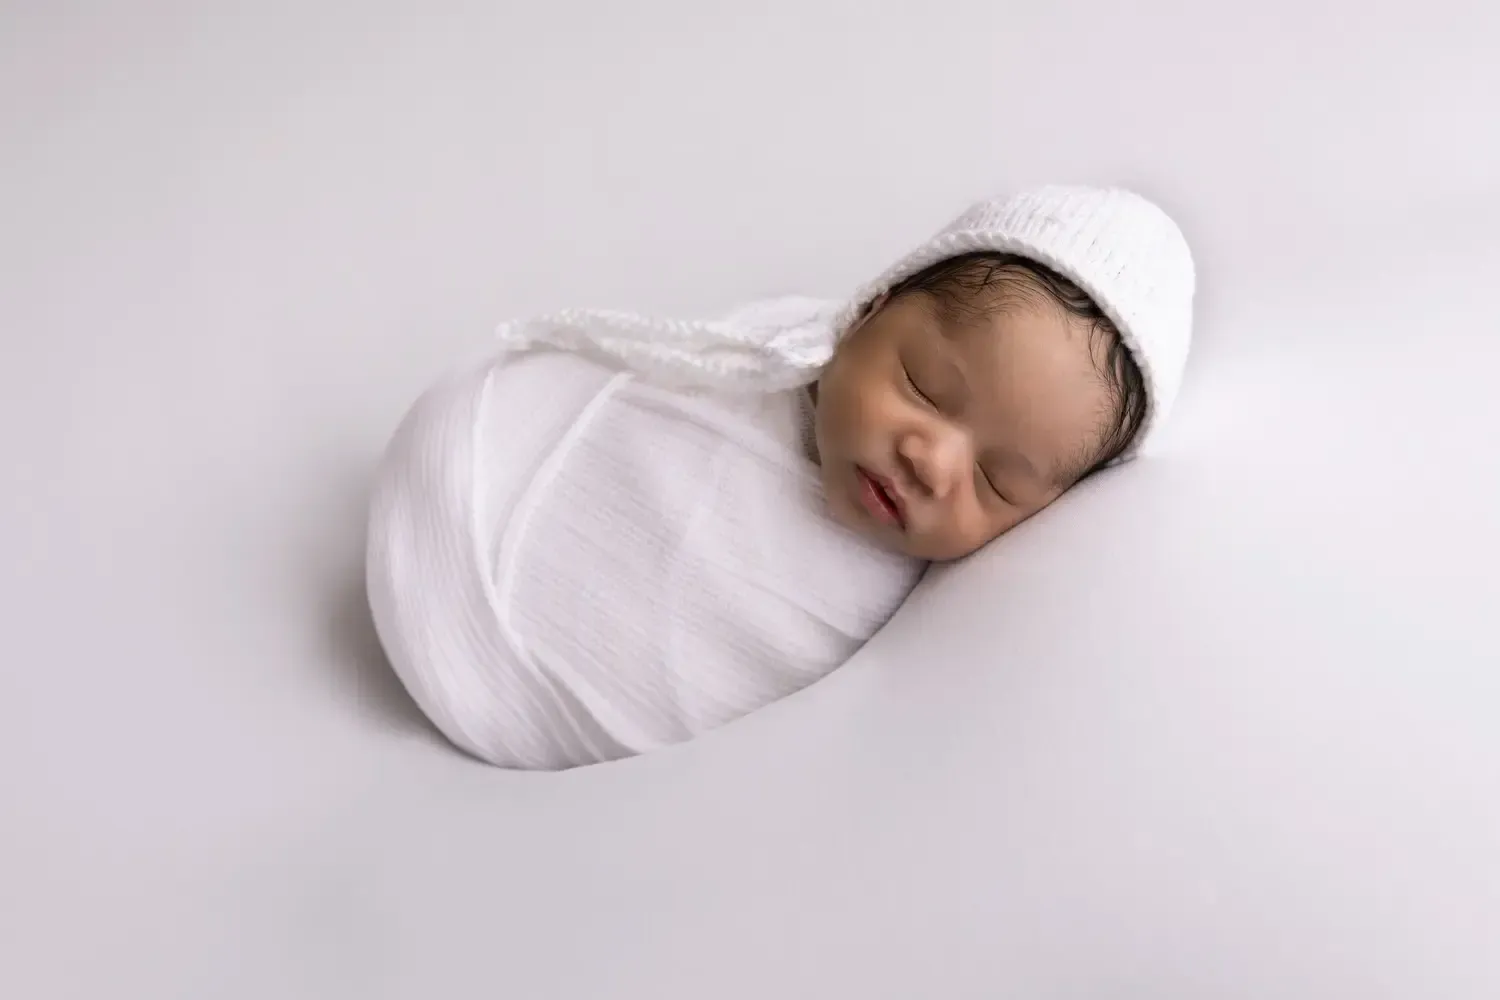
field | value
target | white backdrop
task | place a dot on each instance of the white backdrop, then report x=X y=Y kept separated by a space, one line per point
x=1223 y=724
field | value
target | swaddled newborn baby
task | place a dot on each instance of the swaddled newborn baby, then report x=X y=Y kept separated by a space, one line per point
x=619 y=533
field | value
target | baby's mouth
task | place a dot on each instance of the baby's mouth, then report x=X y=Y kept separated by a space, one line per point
x=878 y=499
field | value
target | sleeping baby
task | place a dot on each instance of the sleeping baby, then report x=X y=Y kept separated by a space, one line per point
x=619 y=532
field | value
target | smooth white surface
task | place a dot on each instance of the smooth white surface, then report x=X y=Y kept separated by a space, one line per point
x=1223 y=725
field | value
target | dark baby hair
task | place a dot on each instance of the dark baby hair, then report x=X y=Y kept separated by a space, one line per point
x=972 y=286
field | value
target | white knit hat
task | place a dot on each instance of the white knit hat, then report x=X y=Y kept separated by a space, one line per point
x=1121 y=249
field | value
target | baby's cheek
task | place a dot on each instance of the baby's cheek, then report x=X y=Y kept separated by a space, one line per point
x=870 y=406
x=971 y=528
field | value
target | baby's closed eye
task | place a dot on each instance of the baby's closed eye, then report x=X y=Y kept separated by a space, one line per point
x=911 y=384
x=989 y=483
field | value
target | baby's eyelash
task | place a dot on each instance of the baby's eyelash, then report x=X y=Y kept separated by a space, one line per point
x=991 y=484
x=913 y=386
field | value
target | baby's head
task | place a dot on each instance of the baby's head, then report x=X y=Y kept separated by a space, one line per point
x=1029 y=344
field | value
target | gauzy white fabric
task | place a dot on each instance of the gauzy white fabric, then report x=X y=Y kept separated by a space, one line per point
x=570 y=565
x=607 y=539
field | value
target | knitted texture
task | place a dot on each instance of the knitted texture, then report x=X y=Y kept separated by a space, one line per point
x=763 y=347
x=1121 y=249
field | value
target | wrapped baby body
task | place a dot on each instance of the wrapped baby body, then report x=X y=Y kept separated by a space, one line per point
x=569 y=564
x=612 y=537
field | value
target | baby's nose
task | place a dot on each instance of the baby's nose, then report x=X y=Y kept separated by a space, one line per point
x=937 y=460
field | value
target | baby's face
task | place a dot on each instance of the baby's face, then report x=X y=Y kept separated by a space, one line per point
x=936 y=435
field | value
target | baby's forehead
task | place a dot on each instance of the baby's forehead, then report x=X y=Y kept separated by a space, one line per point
x=1023 y=342
x=1013 y=318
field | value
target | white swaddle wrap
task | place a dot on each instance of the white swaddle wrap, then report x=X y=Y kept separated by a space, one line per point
x=569 y=565
x=611 y=538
